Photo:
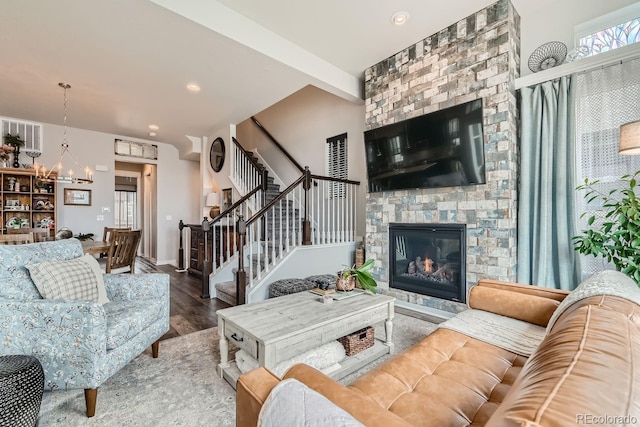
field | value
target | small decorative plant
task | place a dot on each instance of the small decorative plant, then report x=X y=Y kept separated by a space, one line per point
x=361 y=274
x=13 y=140
x=83 y=237
x=618 y=238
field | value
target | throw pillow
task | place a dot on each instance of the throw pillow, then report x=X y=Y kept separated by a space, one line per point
x=74 y=279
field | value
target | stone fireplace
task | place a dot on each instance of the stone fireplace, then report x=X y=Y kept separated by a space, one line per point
x=428 y=259
x=476 y=57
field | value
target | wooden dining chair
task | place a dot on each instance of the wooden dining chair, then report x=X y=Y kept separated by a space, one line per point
x=39 y=234
x=106 y=235
x=16 y=239
x=123 y=250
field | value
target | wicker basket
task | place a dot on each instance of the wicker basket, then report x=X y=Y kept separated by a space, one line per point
x=357 y=341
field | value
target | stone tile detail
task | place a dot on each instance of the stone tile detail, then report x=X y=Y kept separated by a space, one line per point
x=476 y=57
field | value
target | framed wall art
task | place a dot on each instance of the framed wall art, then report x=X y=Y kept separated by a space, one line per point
x=227 y=198
x=76 y=196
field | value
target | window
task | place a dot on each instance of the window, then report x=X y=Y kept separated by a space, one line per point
x=30 y=133
x=605 y=99
x=336 y=156
x=136 y=149
x=125 y=212
x=611 y=31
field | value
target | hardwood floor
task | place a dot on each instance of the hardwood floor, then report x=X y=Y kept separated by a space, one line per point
x=189 y=313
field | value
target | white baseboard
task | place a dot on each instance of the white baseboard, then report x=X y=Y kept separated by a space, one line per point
x=167 y=261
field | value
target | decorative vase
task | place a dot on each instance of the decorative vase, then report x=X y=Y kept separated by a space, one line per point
x=4 y=163
x=16 y=156
x=347 y=284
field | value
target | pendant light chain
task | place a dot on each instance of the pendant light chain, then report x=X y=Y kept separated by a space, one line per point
x=65 y=149
x=65 y=86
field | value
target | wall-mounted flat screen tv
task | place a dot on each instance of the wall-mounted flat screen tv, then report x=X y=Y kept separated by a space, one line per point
x=440 y=149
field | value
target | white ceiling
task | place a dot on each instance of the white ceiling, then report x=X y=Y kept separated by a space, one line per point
x=128 y=61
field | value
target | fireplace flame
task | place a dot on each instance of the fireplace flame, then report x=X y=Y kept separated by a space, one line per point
x=428 y=265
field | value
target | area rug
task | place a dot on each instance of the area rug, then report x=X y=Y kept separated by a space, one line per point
x=181 y=387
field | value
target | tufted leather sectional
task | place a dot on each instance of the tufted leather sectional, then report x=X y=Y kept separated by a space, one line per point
x=586 y=369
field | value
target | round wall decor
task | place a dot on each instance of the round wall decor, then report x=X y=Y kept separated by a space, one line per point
x=216 y=154
x=547 y=56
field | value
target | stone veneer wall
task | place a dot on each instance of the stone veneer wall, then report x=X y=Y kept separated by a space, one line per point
x=477 y=57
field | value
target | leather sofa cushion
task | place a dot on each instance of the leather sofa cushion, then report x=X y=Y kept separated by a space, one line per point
x=447 y=379
x=583 y=368
x=529 y=308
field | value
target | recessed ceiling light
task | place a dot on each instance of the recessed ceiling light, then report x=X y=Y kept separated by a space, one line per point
x=193 y=87
x=152 y=134
x=154 y=127
x=400 y=18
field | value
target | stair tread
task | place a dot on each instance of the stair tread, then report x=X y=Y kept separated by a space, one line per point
x=226 y=291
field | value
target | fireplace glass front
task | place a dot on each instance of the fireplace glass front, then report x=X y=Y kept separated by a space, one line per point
x=428 y=259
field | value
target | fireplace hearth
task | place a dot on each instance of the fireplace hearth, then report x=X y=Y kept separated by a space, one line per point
x=428 y=259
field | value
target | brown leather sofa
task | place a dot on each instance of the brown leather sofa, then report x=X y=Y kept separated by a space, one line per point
x=585 y=371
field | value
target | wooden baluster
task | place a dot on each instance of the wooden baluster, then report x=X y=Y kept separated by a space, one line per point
x=241 y=274
x=306 y=224
x=206 y=263
x=282 y=217
x=273 y=234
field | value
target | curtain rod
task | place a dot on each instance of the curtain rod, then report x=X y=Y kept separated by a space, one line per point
x=611 y=57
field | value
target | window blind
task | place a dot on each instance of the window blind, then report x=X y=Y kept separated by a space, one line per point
x=336 y=163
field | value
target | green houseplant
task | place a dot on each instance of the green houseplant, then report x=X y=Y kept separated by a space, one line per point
x=361 y=274
x=13 y=140
x=618 y=238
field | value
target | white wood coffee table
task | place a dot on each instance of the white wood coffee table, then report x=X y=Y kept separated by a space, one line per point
x=277 y=329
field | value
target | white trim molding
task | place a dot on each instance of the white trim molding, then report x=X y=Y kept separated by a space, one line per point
x=622 y=54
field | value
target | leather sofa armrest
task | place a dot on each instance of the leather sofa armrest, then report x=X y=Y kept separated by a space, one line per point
x=533 y=304
x=360 y=406
x=252 y=390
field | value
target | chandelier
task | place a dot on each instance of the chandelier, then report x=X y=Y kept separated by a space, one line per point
x=70 y=178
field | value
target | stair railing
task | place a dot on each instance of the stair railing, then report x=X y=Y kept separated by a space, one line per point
x=282 y=224
x=246 y=173
x=220 y=238
x=332 y=205
x=277 y=144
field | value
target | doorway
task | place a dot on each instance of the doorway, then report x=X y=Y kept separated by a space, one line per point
x=135 y=202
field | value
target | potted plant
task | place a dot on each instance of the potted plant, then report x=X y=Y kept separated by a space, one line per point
x=82 y=237
x=618 y=238
x=15 y=142
x=347 y=278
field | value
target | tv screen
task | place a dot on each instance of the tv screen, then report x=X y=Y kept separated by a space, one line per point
x=440 y=149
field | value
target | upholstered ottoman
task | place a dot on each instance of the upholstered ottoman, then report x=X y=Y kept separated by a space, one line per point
x=289 y=286
x=21 y=386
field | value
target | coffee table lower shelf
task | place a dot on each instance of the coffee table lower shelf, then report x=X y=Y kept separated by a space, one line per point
x=347 y=366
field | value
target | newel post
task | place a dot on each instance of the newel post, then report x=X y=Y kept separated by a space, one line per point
x=306 y=223
x=206 y=262
x=181 y=248
x=241 y=274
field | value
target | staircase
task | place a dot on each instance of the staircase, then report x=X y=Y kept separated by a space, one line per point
x=304 y=229
x=280 y=222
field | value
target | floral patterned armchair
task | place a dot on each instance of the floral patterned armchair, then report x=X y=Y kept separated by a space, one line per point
x=80 y=344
